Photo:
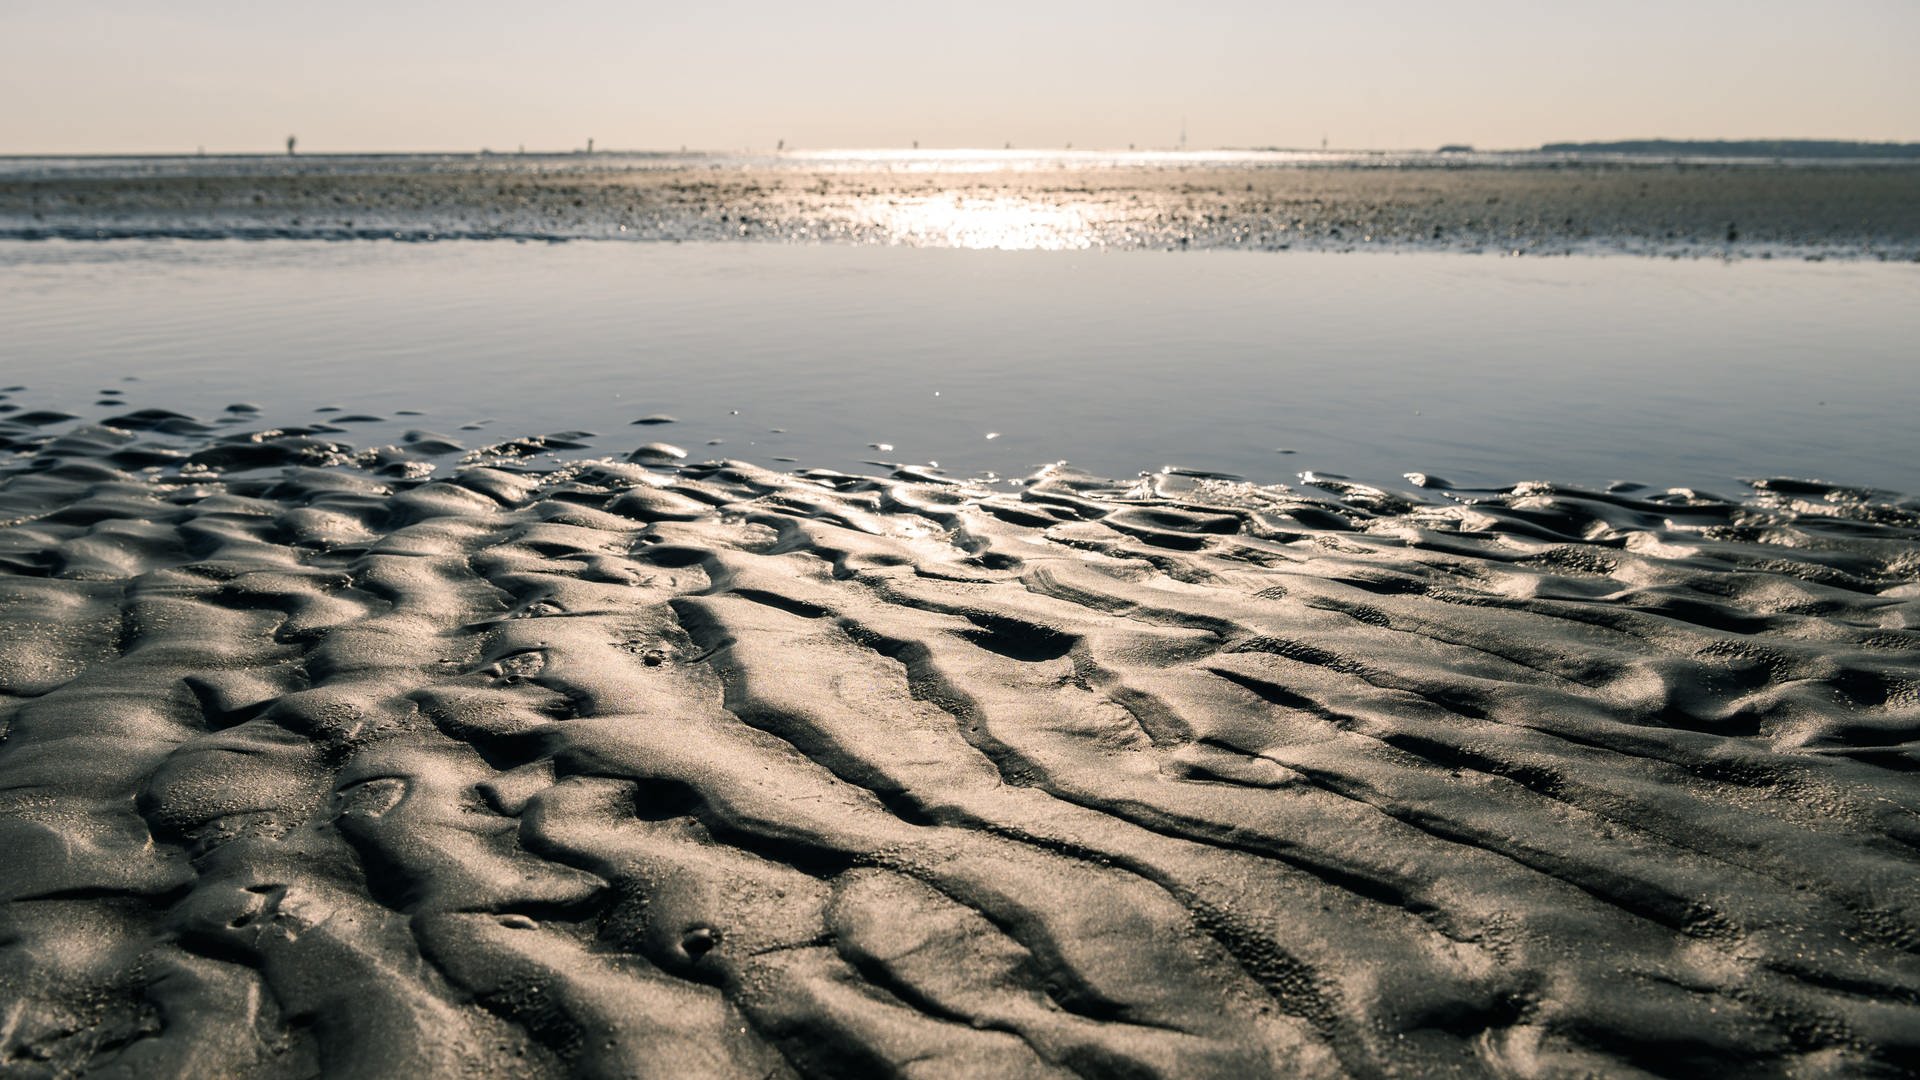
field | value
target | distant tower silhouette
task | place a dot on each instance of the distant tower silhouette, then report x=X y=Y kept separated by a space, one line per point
x=779 y=146
x=290 y=141
x=589 y=146
x=1183 y=133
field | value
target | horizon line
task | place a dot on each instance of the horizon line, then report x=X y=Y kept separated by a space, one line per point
x=578 y=151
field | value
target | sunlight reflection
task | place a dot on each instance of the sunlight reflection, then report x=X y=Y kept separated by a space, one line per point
x=993 y=223
x=957 y=161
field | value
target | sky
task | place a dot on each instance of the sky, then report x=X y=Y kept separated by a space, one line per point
x=133 y=76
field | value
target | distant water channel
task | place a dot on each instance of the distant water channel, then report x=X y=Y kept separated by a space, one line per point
x=1481 y=369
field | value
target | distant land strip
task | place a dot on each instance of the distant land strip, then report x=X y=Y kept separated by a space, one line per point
x=1769 y=148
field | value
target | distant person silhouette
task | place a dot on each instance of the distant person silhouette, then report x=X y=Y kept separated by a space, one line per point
x=290 y=141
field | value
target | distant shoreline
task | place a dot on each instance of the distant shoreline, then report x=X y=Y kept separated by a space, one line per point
x=1790 y=149
x=1753 y=149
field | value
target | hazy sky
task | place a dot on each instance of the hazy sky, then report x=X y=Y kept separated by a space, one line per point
x=146 y=75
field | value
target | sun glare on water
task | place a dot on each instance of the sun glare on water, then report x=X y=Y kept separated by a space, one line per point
x=989 y=223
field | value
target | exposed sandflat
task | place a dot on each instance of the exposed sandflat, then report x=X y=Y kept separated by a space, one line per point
x=314 y=762
x=1844 y=211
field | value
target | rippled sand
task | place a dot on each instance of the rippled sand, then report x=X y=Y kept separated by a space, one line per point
x=388 y=762
x=1758 y=210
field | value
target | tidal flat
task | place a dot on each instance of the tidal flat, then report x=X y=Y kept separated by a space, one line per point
x=846 y=656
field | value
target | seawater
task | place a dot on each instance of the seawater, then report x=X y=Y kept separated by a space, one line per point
x=1479 y=369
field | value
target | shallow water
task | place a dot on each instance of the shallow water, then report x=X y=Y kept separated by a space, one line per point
x=1480 y=370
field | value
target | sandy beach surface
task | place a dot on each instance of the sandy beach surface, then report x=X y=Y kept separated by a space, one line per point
x=314 y=760
x=1427 y=202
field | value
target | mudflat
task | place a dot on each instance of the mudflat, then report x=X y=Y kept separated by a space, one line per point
x=1647 y=207
x=363 y=762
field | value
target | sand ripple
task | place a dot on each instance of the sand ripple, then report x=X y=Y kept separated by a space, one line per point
x=312 y=761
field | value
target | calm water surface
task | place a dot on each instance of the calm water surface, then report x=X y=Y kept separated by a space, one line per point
x=1483 y=370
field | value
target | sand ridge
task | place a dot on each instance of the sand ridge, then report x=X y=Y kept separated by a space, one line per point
x=1649 y=208
x=368 y=762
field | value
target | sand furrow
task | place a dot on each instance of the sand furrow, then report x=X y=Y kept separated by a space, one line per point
x=308 y=763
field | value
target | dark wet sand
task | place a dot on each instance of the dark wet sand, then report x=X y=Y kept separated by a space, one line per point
x=1654 y=208
x=315 y=761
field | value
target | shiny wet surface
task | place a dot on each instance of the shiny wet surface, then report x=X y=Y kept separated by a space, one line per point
x=1479 y=370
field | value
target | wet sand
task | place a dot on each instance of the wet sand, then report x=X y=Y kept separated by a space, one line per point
x=401 y=761
x=1729 y=210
